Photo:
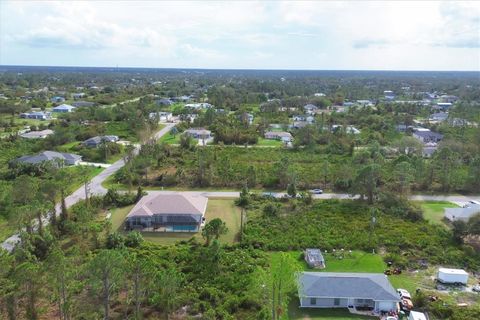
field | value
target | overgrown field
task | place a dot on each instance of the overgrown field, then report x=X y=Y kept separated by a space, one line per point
x=334 y=224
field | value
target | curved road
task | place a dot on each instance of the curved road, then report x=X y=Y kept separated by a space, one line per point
x=95 y=186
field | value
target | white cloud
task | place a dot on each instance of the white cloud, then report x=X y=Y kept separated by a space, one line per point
x=303 y=34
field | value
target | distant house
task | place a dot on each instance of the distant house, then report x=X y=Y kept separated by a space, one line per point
x=299 y=124
x=198 y=106
x=401 y=127
x=438 y=117
x=364 y=103
x=63 y=158
x=463 y=214
x=79 y=104
x=443 y=105
x=426 y=136
x=279 y=135
x=248 y=117
x=429 y=149
x=161 y=116
x=95 y=142
x=168 y=212
x=310 y=108
x=199 y=133
x=365 y=291
x=37 y=115
x=57 y=99
x=348 y=129
x=314 y=258
x=37 y=134
x=389 y=95
x=77 y=96
x=188 y=117
x=63 y=108
x=164 y=102
x=181 y=99
x=304 y=118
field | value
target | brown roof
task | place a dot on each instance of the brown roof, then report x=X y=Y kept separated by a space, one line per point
x=156 y=203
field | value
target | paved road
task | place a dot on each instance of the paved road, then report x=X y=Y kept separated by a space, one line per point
x=235 y=194
x=95 y=187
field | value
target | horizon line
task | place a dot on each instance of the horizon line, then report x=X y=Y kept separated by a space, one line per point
x=228 y=69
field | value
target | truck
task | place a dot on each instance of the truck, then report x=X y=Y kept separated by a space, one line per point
x=452 y=276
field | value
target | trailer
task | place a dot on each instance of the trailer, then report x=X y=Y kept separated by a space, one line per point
x=452 y=276
x=415 y=315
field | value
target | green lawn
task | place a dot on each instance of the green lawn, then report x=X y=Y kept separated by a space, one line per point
x=296 y=313
x=67 y=147
x=223 y=209
x=433 y=211
x=170 y=139
x=269 y=142
x=357 y=261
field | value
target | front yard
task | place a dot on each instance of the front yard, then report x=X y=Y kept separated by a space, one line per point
x=223 y=209
x=433 y=211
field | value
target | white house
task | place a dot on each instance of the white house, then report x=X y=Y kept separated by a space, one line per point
x=64 y=108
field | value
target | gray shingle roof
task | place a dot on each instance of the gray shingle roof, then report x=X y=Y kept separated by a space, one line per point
x=49 y=156
x=175 y=204
x=346 y=285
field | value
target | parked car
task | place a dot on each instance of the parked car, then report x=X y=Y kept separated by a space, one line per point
x=316 y=191
x=404 y=294
x=476 y=288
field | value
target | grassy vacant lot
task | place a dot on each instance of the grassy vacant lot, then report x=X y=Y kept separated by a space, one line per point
x=433 y=211
x=170 y=139
x=223 y=209
x=270 y=143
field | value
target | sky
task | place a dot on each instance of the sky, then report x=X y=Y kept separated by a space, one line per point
x=329 y=35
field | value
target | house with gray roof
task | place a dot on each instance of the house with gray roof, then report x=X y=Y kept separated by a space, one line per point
x=363 y=291
x=172 y=212
x=427 y=136
x=95 y=142
x=438 y=117
x=57 y=157
x=64 y=108
x=42 y=134
x=199 y=133
x=463 y=214
x=279 y=135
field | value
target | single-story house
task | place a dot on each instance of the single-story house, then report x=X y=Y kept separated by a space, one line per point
x=389 y=95
x=38 y=115
x=161 y=116
x=199 y=133
x=429 y=149
x=77 y=96
x=94 y=142
x=172 y=212
x=310 y=108
x=438 y=117
x=314 y=258
x=366 y=291
x=443 y=106
x=198 y=106
x=164 y=102
x=426 y=136
x=464 y=214
x=63 y=108
x=279 y=135
x=348 y=129
x=189 y=117
x=57 y=99
x=65 y=158
x=37 y=134
x=304 y=118
x=79 y=104
x=181 y=99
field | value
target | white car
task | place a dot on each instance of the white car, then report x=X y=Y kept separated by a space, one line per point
x=404 y=294
x=316 y=191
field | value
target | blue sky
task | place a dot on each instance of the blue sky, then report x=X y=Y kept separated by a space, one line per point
x=254 y=35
